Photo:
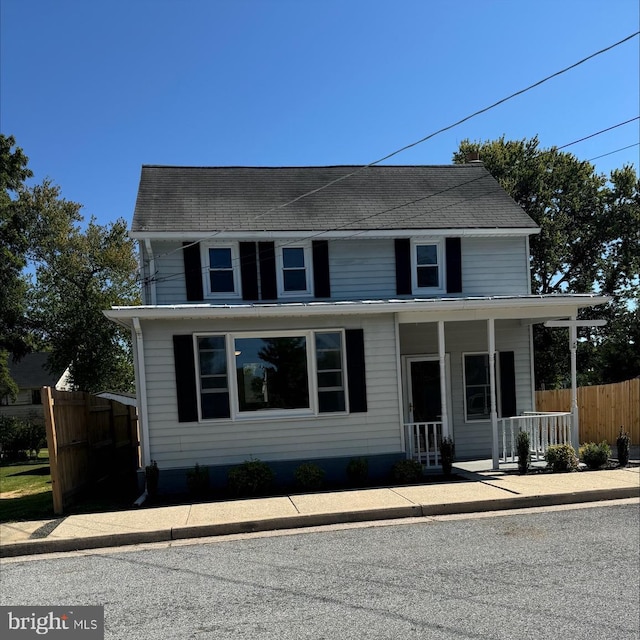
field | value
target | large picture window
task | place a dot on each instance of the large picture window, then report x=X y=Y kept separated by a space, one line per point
x=272 y=373
x=301 y=373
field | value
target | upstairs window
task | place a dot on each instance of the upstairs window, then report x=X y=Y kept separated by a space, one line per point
x=222 y=266
x=294 y=270
x=427 y=266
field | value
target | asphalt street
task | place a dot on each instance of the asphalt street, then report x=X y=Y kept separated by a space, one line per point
x=571 y=573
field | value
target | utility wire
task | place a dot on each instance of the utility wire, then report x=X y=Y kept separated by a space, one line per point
x=418 y=142
x=597 y=133
x=612 y=152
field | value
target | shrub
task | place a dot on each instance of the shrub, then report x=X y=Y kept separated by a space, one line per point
x=561 y=457
x=309 y=476
x=623 y=444
x=595 y=455
x=406 y=471
x=21 y=439
x=358 y=471
x=253 y=477
x=523 y=447
x=198 y=480
x=447 y=454
x=152 y=475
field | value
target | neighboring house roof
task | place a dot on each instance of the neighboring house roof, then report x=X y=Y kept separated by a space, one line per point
x=209 y=199
x=31 y=372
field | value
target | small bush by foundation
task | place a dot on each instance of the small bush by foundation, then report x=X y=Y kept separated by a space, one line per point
x=251 y=478
x=447 y=455
x=358 y=471
x=406 y=471
x=595 y=455
x=198 y=480
x=561 y=457
x=309 y=476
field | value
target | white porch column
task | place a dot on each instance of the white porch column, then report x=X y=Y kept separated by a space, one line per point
x=573 y=346
x=443 y=380
x=491 y=339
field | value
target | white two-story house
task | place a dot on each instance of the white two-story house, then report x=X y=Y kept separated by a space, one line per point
x=321 y=314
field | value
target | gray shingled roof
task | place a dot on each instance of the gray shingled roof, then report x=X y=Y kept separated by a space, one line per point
x=381 y=197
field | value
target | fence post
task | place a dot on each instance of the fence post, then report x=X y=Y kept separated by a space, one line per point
x=52 y=446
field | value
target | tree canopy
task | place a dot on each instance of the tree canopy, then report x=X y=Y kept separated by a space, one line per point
x=58 y=276
x=589 y=242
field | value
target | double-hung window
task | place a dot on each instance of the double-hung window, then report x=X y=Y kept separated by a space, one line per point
x=222 y=266
x=427 y=267
x=277 y=373
x=294 y=270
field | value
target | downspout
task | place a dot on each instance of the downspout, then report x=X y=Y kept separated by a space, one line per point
x=444 y=416
x=141 y=393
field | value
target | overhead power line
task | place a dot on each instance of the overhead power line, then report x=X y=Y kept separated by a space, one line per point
x=597 y=133
x=616 y=151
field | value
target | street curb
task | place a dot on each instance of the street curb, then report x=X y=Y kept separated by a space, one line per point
x=33 y=547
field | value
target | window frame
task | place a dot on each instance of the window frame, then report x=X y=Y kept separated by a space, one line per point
x=439 y=244
x=498 y=386
x=207 y=269
x=308 y=267
x=235 y=414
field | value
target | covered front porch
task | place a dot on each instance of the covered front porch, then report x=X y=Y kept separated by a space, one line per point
x=469 y=376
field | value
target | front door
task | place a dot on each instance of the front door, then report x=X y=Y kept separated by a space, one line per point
x=424 y=390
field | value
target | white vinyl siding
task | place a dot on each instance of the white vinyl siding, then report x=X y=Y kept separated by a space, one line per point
x=494 y=266
x=175 y=444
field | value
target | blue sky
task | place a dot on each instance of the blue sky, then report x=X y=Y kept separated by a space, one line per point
x=93 y=90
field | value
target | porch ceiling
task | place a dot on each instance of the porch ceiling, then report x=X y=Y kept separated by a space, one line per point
x=528 y=308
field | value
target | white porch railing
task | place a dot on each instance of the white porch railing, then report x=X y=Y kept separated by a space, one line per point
x=544 y=429
x=423 y=442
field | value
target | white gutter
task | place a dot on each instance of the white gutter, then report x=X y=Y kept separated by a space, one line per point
x=205 y=235
x=521 y=306
x=141 y=393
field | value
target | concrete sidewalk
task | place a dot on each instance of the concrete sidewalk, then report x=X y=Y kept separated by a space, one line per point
x=482 y=491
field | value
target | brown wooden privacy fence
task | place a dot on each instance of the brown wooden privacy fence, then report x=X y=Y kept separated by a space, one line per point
x=93 y=445
x=602 y=409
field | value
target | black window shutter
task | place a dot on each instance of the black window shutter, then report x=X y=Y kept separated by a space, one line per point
x=321 y=279
x=267 y=259
x=454 y=265
x=185 y=378
x=249 y=271
x=403 y=266
x=356 y=370
x=192 y=271
x=507 y=384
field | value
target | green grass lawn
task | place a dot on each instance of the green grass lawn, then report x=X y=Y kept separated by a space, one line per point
x=25 y=491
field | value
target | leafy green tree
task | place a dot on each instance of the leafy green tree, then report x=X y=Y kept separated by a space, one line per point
x=8 y=387
x=589 y=241
x=92 y=270
x=14 y=244
x=76 y=273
